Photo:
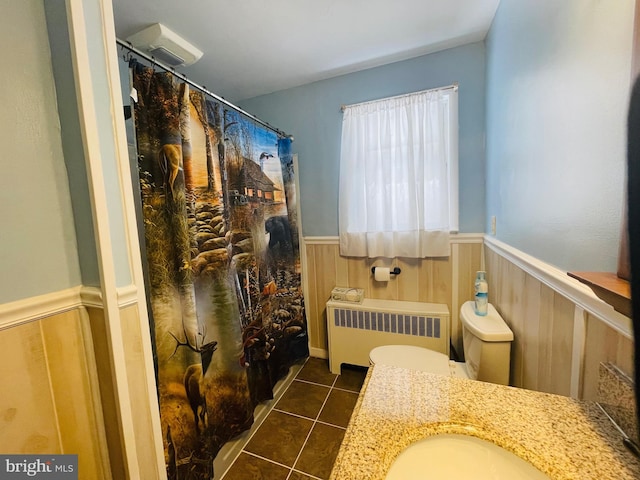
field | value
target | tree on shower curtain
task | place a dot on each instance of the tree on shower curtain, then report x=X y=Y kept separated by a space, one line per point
x=223 y=265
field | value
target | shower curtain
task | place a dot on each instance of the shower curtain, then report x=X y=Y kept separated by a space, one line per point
x=222 y=265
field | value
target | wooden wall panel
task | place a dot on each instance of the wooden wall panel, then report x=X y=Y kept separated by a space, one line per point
x=531 y=334
x=342 y=269
x=311 y=299
x=516 y=302
x=107 y=391
x=326 y=267
x=421 y=280
x=562 y=345
x=137 y=382
x=28 y=422
x=50 y=403
x=541 y=318
x=543 y=323
x=467 y=260
x=545 y=332
x=74 y=384
x=412 y=284
x=440 y=285
x=359 y=270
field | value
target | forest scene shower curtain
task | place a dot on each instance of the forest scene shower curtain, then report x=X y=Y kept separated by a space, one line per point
x=222 y=265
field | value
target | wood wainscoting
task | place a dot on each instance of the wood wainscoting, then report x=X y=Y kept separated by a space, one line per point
x=562 y=329
x=50 y=402
x=59 y=395
x=446 y=280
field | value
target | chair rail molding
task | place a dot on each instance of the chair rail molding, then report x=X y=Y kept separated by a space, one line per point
x=30 y=309
x=581 y=295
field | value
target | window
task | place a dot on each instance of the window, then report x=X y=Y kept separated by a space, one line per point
x=398 y=193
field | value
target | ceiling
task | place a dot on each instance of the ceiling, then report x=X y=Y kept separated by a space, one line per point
x=254 y=47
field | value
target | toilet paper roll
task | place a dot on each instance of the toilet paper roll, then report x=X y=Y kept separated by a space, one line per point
x=382 y=274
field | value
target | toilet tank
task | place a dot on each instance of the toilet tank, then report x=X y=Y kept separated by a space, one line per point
x=487 y=345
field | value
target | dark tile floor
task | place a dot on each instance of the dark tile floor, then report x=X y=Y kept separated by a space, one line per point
x=300 y=438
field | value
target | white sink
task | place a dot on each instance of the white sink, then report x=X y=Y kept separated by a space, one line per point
x=454 y=456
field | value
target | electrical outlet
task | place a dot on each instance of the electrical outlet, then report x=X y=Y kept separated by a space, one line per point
x=493 y=225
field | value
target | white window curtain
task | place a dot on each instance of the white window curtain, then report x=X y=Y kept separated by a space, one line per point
x=398 y=193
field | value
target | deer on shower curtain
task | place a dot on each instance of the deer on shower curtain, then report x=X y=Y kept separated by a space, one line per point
x=222 y=265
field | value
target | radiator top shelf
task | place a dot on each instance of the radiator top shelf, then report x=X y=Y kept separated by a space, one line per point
x=396 y=306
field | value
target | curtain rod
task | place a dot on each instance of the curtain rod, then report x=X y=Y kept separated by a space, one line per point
x=172 y=70
x=453 y=86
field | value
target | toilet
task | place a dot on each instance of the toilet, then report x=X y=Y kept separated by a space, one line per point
x=487 y=347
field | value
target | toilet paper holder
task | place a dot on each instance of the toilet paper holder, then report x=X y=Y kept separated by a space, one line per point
x=394 y=271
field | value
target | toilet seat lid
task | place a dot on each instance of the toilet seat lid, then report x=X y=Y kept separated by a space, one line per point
x=411 y=357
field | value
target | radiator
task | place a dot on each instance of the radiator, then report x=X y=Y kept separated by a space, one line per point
x=354 y=329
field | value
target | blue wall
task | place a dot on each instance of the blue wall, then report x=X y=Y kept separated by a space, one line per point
x=38 y=252
x=558 y=79
x=311 y=113
x=72 y=143
x=71 y=134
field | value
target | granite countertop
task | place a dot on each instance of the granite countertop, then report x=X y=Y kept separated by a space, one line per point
x=562 y=437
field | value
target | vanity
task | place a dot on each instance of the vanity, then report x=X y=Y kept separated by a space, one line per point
x=562 y=437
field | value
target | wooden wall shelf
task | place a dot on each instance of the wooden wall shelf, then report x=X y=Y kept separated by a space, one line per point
x=609 y=288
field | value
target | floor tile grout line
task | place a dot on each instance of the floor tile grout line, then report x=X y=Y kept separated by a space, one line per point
x=297 y=415
x=300 y=416
x=330 y=424
x=281 y=410
x=314 y=421
x=257 y=427
x=314 y=424
x=357 y=392
x=304 y=444
x=313 y=383
x=252 y=434
x=335 y=380
x=305 y=474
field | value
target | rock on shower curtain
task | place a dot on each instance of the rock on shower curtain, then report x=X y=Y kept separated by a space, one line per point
x=223 y=265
